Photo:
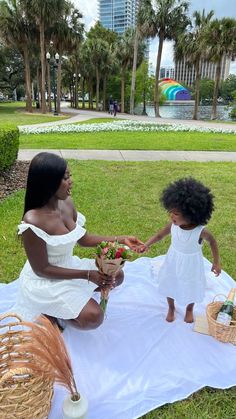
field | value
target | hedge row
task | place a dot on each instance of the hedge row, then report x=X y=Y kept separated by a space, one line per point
x=9 y=146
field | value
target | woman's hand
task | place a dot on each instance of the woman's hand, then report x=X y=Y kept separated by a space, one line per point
x=101 y=280
x=216 y=269
x=132 y=242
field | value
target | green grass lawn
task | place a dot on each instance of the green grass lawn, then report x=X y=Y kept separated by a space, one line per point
x=131 y=209
x=131 y=141
x=124 y=198
x=14 y=113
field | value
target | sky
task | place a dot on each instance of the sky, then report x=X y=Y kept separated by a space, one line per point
x=89 y=9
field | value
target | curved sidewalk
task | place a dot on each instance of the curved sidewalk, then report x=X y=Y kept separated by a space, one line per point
x=135 y=155
x=79 y=115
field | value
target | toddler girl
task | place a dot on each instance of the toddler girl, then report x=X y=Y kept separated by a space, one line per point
x=182 y=277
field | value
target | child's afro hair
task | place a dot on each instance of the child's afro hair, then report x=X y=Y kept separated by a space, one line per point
x=191 y=198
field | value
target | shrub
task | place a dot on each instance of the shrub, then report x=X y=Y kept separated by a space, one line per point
x=232 y=113
x=9 y=146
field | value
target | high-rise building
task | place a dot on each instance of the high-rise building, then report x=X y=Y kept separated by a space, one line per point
x=167 y=72
x=117 y=15
x=186 y=74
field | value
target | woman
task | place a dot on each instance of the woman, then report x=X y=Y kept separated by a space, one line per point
x=53 y=281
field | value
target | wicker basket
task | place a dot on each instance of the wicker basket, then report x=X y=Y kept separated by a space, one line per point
x=220 y=331
x=22 y=394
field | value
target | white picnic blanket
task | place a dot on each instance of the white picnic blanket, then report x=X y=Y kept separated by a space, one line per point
x=136 y=361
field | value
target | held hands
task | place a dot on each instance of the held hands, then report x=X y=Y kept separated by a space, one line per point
x=216 y=269
x=133 y=243
x=143 y=248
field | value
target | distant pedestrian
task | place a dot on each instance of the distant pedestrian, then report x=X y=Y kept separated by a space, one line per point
x=115 y=107
x=111 y=106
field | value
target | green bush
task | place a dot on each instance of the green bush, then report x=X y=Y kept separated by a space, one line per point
x=9 y=146
x=232 y=114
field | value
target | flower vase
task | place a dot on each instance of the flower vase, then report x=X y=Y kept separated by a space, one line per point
x=75 y=409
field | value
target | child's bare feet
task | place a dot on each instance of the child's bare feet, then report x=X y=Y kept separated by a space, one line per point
x=171 y=312
x=170 y=315
x=189 y=317
x=189 y=314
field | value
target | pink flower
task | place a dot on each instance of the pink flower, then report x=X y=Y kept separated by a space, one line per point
x=105 y=250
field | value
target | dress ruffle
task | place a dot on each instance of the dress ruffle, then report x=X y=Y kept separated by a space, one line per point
x=56 y=240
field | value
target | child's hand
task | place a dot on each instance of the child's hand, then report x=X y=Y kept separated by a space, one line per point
x=216 y=269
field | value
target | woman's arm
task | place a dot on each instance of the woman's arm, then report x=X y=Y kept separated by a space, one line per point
x=90 y=240
x=36 y=252
x=206 y=235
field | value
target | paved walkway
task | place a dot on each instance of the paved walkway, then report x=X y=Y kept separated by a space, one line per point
x=79 y=115
x=133 y=155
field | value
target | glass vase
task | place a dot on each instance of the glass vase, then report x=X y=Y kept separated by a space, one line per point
x=75 y=409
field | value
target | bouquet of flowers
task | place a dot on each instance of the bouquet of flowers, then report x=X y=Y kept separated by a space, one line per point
x=110 y=259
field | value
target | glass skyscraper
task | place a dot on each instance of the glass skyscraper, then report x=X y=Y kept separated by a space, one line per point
x=117 y=15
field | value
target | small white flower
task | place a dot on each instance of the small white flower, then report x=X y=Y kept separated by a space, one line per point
x=121 y=126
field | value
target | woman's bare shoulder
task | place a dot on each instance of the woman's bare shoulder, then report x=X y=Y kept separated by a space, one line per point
x=40 y=219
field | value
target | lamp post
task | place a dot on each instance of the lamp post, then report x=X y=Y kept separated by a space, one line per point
x=79 y=77
x=53 y=63
x=75 y=90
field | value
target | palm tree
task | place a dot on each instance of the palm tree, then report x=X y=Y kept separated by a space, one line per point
x=221 y=41
x=166 y=19
x=192 y=47
x=108 y=64
x=67 y=35
x=98 y=52
x=44 y=12
x=88 y=70
x=124 y=55
x=141 y=31
x=103 y=40
x=17 y=31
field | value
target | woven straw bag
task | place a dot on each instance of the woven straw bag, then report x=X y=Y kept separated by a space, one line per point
x=22 y=394
x=220 y=331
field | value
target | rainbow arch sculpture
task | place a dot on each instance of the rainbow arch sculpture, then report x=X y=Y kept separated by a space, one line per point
x=174 y=90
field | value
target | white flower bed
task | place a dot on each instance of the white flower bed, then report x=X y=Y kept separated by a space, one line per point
x=120 y=126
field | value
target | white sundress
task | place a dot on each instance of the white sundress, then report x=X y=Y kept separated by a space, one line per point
x=58 y=298
x=182 y=275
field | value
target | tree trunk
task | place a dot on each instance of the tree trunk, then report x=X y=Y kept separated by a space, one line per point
x=58 y=79
x=49 y=86
x=97 y=88
x=123 y=91
x=42 y=58
x=105 y=93
x=133 y=81
x=27 y=79
x=156 y=93
x=90 y=94
x=83 y=100
x=144 y=112
x=197 y=90
x=216 y=89
x=39 y=86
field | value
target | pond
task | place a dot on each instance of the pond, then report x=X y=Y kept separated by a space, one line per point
x=186 y=112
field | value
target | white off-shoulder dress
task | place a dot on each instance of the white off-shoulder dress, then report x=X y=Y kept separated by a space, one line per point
x=58 y=298
x=182 y=275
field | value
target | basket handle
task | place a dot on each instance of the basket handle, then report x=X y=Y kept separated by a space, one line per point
x=16 y=320
x=16 y=371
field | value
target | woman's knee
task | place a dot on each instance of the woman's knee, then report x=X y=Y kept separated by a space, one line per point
x=90 y=317
x=119 y=278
